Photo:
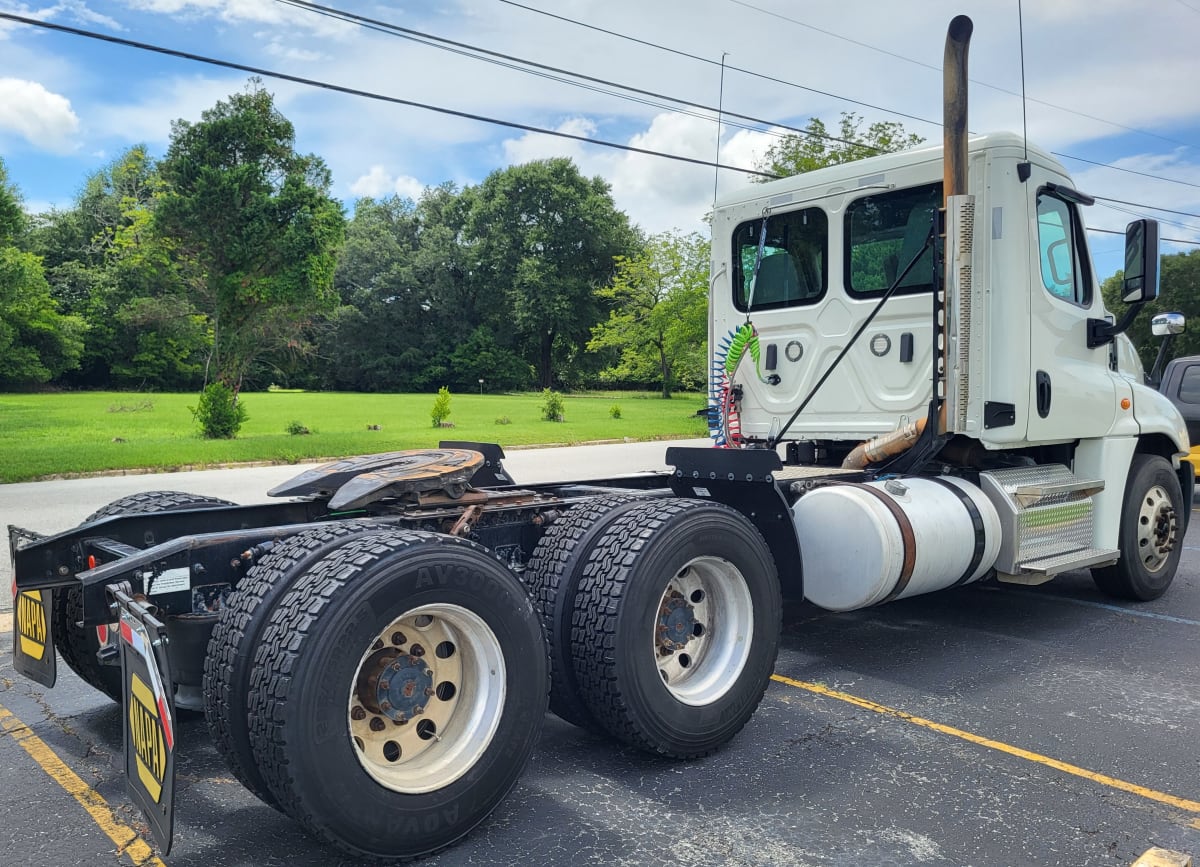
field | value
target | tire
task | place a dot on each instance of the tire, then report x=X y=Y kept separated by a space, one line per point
x=676 y=626
x=78 y=645
x=1151 y=533
x=229 y=661
x=339 y=678
x=552 y=576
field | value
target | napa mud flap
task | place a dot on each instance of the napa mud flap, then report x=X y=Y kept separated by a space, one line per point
x=33 y=620
x=149 y=717
x=33 y=642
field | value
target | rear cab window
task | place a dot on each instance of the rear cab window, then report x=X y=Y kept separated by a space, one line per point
x=883 y=233
x=793 y=269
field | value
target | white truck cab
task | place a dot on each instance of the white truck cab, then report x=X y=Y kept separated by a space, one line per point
x=861 y=309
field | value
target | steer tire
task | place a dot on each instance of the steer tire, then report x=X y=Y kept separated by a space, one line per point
x=552 y=576
x=1153 y=521
x=229 y=661
x=694 y=571
x=459 y=628
x=78 y=645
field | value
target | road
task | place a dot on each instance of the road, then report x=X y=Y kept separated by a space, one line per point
x=991 y=725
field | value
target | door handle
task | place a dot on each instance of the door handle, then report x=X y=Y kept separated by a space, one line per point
x=1043 y=393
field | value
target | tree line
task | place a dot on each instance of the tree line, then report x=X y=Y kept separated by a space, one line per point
x=228 y=261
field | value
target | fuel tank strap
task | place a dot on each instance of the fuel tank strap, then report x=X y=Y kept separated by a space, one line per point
x=906 y=536
x=976 y=522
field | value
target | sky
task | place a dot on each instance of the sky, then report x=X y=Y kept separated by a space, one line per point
x=1108 y=82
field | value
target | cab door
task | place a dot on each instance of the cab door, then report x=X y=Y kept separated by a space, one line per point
x=1072 y=393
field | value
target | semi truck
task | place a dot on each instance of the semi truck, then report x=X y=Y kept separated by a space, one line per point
x=915 y=386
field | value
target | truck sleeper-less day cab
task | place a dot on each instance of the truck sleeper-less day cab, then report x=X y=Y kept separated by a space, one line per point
x=915 y=386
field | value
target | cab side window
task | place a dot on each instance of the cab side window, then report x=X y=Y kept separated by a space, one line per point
x=1064 y=270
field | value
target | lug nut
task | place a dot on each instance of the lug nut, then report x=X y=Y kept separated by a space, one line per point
x=384 y=685
x=385 y=705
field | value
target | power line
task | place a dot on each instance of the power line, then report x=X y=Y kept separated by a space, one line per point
x=752 y=73
x=995 y=87
x=1150 y=207
x=1172 y=240
x=268 y=73
x=283 y=76
x=508 y=61
x=1127 y=171
x=730 y=67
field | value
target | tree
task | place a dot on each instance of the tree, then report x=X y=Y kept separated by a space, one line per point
x=37 y=343
x=13 y=221
x=660 y=313
x=544 y=237
x=816 y=148
x=255 y=225
x=106 y=261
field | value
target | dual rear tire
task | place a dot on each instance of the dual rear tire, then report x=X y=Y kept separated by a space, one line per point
x=397 y=685
x=664 y=621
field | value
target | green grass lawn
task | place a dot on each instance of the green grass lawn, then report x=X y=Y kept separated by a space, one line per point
x=50 y=434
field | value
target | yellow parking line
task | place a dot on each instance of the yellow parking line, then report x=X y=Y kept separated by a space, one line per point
x=126 y=839
x=1102 y=779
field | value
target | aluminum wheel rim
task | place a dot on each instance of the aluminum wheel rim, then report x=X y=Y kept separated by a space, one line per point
x=699 y=668
x=1156 y=529
x=433 y=747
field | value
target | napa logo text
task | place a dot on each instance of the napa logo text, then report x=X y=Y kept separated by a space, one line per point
x=146 y=733
x=31 y=623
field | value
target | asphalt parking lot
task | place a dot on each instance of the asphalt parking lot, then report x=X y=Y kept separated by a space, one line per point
x=991 y=725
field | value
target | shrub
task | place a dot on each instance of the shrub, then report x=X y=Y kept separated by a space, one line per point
x=296 y=429
x=441 y=407
x=219 y=412
x=552 y=405
x=615 y=410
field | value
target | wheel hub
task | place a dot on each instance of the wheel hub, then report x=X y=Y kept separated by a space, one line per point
x=427 y=698
x=676 y=623
x=703 y=630
x=1157 y=529
x=403 y=687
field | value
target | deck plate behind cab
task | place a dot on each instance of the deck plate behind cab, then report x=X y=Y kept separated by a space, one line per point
x=355 y=482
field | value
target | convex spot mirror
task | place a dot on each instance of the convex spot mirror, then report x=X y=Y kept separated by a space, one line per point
x=1141 y=262
x=1168 y=323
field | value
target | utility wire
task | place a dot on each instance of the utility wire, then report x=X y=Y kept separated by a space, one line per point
x=916 y=62
x=730 y=67
x=508 y=61
x=1150 y=207
x=1172 y=240
x=268 y=73
x=337 y=88
x=1127 y=171
x=847 y=99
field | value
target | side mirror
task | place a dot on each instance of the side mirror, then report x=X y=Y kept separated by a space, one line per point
x=1168 y=323
x=1141 y=262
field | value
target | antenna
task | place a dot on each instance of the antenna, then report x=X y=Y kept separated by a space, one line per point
x=720 y=109
x=1024 y=169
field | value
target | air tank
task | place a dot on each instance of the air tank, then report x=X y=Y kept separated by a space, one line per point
x=863 y=544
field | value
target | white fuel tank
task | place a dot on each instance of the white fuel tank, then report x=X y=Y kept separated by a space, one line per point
x=863 y=544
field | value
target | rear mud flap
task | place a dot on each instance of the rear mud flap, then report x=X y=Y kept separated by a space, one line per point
x=149 y=717
x=33 y=639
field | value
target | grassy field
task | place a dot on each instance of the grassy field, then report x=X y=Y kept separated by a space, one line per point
x=43 y=435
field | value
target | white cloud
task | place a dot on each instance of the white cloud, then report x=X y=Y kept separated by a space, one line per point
x=149 y=120
x=276 y=48
x=237 y=11
x=378 y=182
x=42 y=118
